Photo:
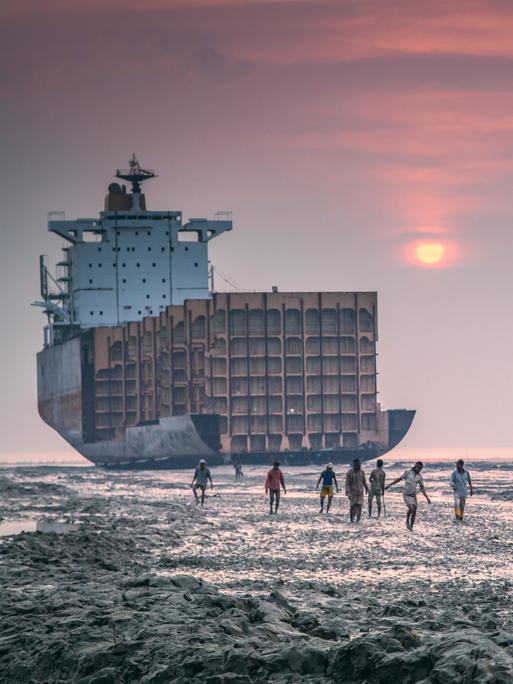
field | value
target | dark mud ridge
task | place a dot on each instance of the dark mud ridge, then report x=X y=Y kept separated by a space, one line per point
x=100 y=606
x=83 y=608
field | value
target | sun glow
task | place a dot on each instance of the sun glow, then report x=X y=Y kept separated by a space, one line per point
x=429 y=252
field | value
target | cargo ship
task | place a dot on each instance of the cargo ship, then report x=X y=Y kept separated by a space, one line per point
x=144 y=365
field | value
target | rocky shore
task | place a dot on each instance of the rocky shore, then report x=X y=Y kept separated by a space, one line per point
x=112 y=603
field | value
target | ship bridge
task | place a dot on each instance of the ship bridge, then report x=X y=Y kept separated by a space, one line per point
x=128 y=263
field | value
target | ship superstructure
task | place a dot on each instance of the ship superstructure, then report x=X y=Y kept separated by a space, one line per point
x=130 y=262
x=143 y=366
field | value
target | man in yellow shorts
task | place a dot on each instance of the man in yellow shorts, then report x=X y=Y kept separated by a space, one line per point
x=328 y=478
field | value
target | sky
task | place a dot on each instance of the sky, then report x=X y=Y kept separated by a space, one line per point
x=342 y=134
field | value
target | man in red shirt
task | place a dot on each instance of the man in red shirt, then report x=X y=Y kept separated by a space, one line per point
x=272 y=486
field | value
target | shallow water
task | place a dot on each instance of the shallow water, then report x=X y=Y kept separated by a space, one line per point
x=431 y=605
x=240 y=547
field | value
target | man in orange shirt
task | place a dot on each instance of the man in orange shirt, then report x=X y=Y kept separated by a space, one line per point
x=272 y=486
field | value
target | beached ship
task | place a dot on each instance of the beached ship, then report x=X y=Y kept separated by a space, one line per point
x=144 y=365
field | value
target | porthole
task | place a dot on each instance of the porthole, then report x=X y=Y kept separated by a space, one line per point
x=147 y=296
x=154 y=264
x=128 y=249
x=138 y=265
x=113 y=265
x=149 y=232
x=90 y=265
x=167 y=232
x=101 y=313
x=118 y=233
x=99 y=265
x=91 y=313
x=139 y=312
x=90 y=281
x=163 y=296
x=99 y=249
x=144 y=280
x=124 y=280
x=186 y=249
x=123 y=265
x=149 y=249
x=196 y=263
x=162 y=249
x=133 y=249
x=163 y=280
x=137 y=232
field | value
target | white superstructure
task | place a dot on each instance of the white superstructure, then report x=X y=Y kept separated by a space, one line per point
x=129 y=263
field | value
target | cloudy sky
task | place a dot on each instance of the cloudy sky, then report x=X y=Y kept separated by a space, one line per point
x=342 y=134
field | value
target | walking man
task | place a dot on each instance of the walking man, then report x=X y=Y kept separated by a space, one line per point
x=238 y=470
x=355 y=484
x=200 y=480
x=377 y=486
x=460 y=483
x=328 y=478
x=412 y=478
x=273 y=482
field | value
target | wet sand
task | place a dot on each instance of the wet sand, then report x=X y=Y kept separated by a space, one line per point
x=152 y=588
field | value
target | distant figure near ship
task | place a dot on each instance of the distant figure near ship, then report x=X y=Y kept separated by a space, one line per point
x=460 y=483
x=329 y=479
x=238 y=470
x=200 y=481
x=412 y=478
x=377 y=486
x=273 y=482
x=356 y=483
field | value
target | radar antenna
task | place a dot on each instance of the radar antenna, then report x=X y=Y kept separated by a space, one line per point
x=135 y=174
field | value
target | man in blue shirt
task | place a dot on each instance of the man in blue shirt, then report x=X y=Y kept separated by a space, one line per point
x=328 y=478
x=460 y=483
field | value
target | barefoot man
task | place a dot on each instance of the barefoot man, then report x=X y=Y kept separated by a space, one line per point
x=460 y=480
x=355 y=484
x=412 y=478
x=377 y=486
x=329 y=479
x=200 y=481
x=273 y=482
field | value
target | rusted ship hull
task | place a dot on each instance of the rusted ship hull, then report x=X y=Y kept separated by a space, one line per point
x=246 y=377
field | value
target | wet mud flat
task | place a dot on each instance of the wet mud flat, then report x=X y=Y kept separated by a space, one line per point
x=151 y=588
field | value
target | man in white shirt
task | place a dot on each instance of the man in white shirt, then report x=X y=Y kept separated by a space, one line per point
x=460 y=483
x=412 y=478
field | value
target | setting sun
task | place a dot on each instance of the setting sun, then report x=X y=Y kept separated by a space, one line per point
x=429 y=252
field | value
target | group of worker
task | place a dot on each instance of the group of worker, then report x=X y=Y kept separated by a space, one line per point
x=355 y=487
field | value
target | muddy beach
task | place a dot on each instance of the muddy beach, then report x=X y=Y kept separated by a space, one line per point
x=152 y=588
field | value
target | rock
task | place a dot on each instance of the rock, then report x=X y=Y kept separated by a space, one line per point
x=187 y=582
